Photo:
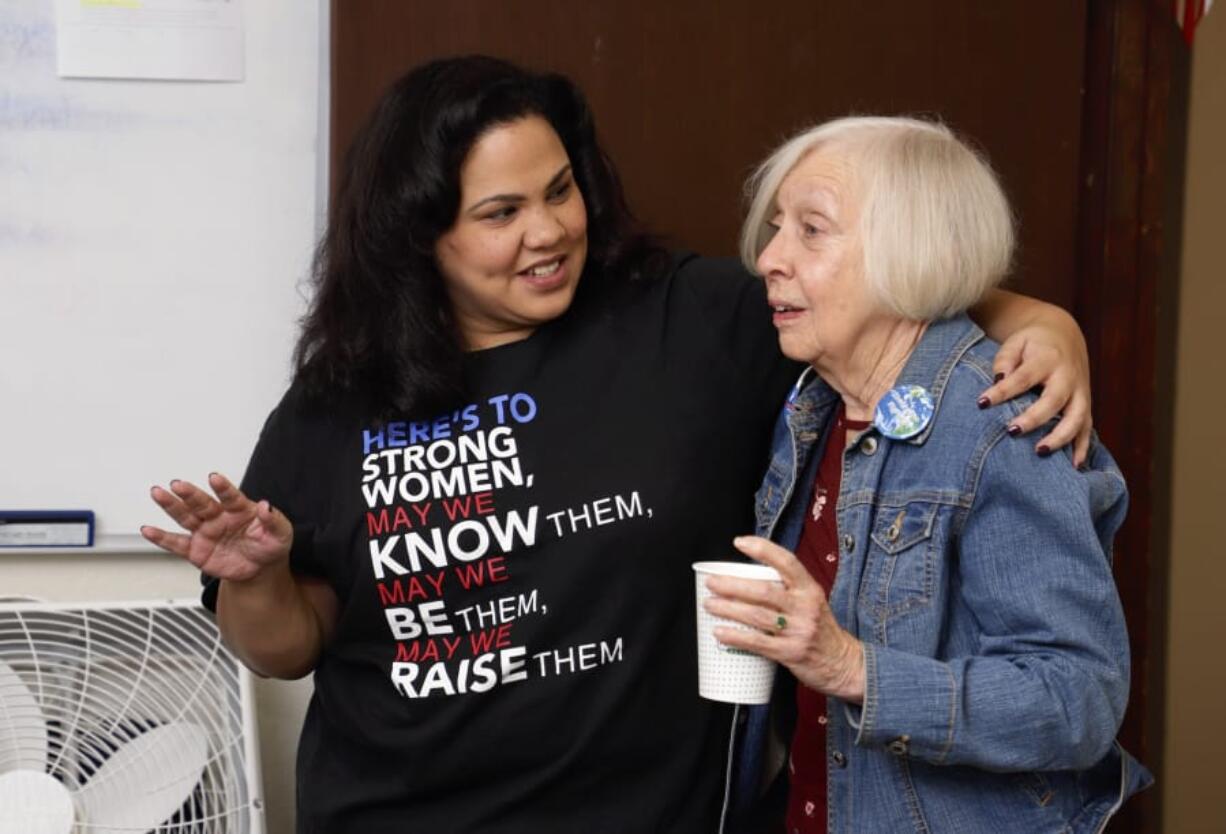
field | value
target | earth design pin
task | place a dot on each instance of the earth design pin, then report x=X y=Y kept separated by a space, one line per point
x=904 y=412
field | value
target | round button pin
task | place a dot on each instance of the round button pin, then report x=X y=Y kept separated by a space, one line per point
x=904 y=411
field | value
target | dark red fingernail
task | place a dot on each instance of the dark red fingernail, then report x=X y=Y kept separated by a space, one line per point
x=984 y=402
x=998 y=377
x=1014 y=430
x=1043 y=450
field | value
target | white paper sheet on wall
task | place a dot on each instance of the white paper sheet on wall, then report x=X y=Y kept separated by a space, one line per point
x=182 y=40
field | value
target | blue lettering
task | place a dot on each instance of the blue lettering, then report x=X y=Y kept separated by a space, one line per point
x=497 y=402
x=419 y=432
x=471 y=420
x=395 y=435
x=372 y=441
x=523 y=408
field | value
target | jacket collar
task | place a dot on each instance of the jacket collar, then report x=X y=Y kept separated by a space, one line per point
x=929 y=365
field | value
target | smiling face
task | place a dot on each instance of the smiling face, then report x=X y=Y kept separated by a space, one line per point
x=813 y=264
x=513 y=258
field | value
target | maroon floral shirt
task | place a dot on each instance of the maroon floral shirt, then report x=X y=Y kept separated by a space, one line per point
x=818 y=550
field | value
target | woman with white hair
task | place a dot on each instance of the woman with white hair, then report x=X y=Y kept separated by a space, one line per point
x=957 y=648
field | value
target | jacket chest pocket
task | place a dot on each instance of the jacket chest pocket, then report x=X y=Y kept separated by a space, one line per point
x=901 y=569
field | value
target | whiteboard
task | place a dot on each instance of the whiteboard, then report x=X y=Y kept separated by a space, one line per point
x=155 y=241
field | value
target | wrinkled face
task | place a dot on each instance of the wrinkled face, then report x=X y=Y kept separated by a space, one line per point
x=513 y=257
x=813 y=264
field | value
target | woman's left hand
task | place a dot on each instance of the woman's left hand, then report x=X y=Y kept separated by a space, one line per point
x=1051 y=352
x=792 y=624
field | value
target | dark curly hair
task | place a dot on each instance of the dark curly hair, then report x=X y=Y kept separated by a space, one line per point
x=380 y=325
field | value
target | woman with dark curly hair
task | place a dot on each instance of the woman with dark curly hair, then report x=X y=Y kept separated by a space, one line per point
x=514 y=423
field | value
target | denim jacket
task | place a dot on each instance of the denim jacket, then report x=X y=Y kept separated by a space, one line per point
x=978 y=577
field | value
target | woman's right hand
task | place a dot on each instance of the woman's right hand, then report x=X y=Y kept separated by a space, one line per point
x=789 y=622
x=228 y=536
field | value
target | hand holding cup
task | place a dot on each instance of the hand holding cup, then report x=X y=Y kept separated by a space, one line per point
x=788 y=621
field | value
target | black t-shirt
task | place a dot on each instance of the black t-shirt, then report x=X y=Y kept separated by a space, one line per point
x=515 y=643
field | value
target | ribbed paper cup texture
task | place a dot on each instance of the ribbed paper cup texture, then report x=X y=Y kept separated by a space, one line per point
x=728 y=674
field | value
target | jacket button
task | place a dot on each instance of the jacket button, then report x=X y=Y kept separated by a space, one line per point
x=838 y=758
x=849 y=543
x=869 y=446
x=899 y=745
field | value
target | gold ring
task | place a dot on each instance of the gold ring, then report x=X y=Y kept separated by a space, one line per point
x=781 y=622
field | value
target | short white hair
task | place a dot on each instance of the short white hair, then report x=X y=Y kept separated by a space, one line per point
x=935 y=226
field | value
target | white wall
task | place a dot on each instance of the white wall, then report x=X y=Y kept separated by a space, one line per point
x=154 y=237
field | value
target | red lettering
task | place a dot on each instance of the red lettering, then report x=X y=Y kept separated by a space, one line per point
x=436 y=580
x=490 y=638
x=415 y=653
x=496 y=567
x=394 y=596
x=470 y=575
x=485 y=502
x=492 y=569
x=422 y=510
x=458 y=507
x=407 y=589
x=377 y=525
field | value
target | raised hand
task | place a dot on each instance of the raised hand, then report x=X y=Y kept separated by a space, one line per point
x=228 y=536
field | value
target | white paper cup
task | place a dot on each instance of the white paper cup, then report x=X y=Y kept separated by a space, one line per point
x=727 y=674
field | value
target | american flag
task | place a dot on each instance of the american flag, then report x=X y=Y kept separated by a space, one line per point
x=1188 y=13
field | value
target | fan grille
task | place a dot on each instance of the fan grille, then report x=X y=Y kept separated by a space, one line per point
x=104 y=675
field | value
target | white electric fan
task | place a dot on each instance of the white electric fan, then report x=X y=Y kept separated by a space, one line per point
x=124 y=718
